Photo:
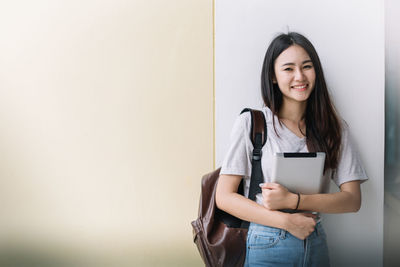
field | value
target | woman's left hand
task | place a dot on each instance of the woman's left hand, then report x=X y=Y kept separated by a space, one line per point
x=276 y=196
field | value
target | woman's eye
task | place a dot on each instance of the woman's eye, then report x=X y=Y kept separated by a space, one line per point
x=307 y=66
x=288 y=69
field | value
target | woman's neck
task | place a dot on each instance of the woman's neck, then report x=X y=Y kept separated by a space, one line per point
x=292 y=110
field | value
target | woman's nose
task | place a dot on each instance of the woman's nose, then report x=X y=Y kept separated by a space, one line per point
x=299 y=75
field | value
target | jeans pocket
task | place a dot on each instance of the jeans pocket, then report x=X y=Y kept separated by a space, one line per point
x=262 y=240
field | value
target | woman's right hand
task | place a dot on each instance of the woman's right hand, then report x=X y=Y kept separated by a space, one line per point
x=301 y=225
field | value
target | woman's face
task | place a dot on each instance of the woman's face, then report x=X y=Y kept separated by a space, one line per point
x=294 y=74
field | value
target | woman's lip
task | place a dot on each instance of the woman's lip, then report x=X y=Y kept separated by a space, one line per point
x=300 y=87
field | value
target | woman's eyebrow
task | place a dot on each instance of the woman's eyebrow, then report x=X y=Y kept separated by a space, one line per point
x=291 y=64
x=287 y=64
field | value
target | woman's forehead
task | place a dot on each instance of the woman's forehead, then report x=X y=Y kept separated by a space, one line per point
x=293 y=54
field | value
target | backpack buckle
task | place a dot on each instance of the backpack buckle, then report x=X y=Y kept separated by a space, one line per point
x=257 y=154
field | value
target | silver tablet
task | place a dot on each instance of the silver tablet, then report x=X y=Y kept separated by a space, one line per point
x=299 y=172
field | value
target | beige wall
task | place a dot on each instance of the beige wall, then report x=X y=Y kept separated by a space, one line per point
x=106 y=114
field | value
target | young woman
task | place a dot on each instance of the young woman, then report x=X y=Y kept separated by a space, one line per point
x=300 y=118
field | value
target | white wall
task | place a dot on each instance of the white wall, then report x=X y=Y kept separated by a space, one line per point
x=349 y=37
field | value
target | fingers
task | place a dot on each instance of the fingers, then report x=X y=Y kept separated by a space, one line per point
x=270 y=185
x=309 y=215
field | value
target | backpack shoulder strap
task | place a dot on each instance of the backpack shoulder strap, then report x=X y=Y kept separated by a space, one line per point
x=258 y=125
x=258 y=137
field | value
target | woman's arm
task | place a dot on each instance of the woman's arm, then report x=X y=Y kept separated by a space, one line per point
x=347 y=200
x=229 y=200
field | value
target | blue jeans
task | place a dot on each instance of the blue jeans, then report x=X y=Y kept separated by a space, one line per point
x=269 y=246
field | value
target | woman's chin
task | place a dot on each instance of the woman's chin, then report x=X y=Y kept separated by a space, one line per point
x=298 y=98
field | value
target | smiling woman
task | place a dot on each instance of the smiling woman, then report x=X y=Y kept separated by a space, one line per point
x=300 y=117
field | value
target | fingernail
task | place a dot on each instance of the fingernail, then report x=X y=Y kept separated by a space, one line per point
x=261 y=185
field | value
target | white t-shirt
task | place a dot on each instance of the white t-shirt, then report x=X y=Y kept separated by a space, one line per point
x=238 y=159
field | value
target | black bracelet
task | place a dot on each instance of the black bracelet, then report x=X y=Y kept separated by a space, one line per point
x=298 y=201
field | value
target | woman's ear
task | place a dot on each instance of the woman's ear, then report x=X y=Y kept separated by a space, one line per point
x=274 y=80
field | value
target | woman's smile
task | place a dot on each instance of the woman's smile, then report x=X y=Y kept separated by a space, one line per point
x=300 y=88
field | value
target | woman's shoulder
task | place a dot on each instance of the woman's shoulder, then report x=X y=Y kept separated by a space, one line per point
x=268 y=114
x=244 y=119
x=241 y=124
x=344 y=126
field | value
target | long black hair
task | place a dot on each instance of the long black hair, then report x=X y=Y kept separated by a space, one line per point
x=323 y=129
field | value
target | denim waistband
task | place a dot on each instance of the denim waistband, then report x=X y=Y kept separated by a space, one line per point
x=263 y=228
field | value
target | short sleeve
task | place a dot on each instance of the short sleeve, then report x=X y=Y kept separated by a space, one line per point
x=350 y=167
x=237 y=160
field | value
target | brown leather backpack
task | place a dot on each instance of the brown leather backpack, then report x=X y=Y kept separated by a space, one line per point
x=219 y=236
